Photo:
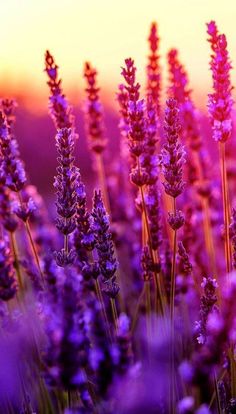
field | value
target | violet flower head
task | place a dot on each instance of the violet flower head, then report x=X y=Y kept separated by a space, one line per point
x=172 y=155
x=149 y=160
x=66 y=187
x=94 y=111
x=178 y=78
x=7 y=279
x=123 y=99
x=180 y=91
x=25 y=209
x=8 y=107
x=207 y=306
x=136 y=117
x=220 y=101
x=152 y=201
x=66 y=355
x=60 y=110
x=35 y=208
x=148 y=267
x=100 y=353
x=124 y=344
x=66 y=181
x=129 y=75
x=185 y=266
x=135 y=108
x=11 y=164
x=153 y=69
x=8 y=220
x=84 y=235
x=104 y=245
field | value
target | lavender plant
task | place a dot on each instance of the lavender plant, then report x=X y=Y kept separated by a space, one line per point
x=126 y=302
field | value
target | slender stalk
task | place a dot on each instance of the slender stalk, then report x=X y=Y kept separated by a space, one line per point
x=173 y=270
x=172 y=314
x=66 y=243
x=100 y=298
x=226 y=209
x=214 y=393
x=146 y=285
x=148 y=308
x=102 y=181
x=16 y=259
x=135 y=316
x=69 y=398
x=157 y=280
x=114 y=313
x=225 y=205
x=207 y=228
x=217 y=394
x=34 y=250
x=208 y=234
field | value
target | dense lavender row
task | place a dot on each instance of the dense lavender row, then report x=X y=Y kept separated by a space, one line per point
x=124 y=303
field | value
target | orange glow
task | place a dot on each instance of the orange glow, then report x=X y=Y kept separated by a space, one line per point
x=105 y=32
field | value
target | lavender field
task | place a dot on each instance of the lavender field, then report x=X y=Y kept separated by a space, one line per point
x=118 y=277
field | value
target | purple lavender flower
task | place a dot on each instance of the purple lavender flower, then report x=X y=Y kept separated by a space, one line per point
x=84 y=235
x=94 y=111
x=60 y=111
x=100 y=354
x=8 y=219
x=180 y=91
x=220 y=101
x=207 y=306
x=152 y=201
x=44 y=231
x=104 y=245
x=25 y=209
x=148 y=266
x=66 y=187
x=7 y=279
x=137 y=123
x=149 y=158
x=124 y=344
x=8 y=107
x=153 y=69
x=12 y=166
x=123 y=99
x=66 y=355
x=185 y=266
x=172 y=155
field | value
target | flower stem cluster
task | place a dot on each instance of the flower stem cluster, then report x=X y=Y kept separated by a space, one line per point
x=220 y=101
x=94 y=111
x=13 y=171
x=153 y=69
x=207 y=306
x=172 y=155
x=59 y=109
x=7 y=280
x=66 y=190
x=104 y=245
x=179 y=90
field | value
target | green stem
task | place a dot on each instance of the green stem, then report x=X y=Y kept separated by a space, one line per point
x=226 y=206
x=100 y=298
x=16 y=260
x=156 y=276
x=34 y=250
x=114 y=313
x=173 y=270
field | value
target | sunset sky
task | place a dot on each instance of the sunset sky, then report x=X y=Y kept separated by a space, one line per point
x=105 y=32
